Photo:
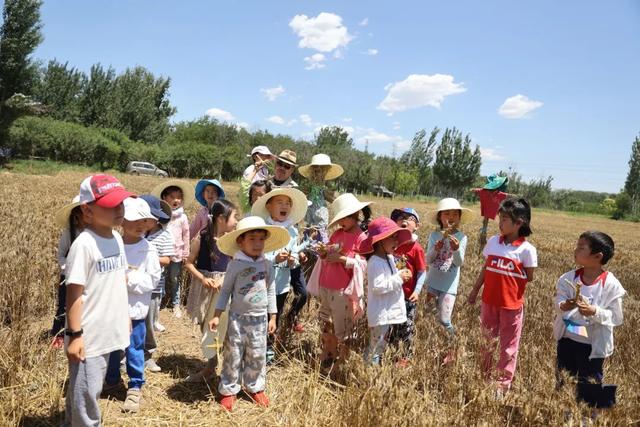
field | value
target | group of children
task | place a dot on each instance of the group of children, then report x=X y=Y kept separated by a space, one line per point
x=242 y=273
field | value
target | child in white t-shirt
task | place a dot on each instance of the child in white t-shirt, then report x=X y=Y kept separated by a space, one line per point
x=97 y=310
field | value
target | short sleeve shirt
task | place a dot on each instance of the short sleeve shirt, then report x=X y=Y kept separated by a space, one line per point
x=415 y=263
x=335 y=275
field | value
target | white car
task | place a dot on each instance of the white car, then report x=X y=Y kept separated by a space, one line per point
x=144 y=168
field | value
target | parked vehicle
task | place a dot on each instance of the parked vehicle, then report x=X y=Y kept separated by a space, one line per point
x=382 y=191
x=144 y=168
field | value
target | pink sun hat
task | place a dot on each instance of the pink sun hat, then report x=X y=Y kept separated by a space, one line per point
x=379 y=229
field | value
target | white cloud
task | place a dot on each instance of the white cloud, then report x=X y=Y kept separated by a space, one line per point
x=337 y=54
x=272 y=93
x=315 y=61
x=323 y=33
x=419 y=90
x=384 y=142
x=243 y=125
x=347 y=119
x=396 y=125
x=364 y=22
x=219 y=114
x=371 y=52
x=292 y=122
x=491 y=154
x=276 y=119
x=306 y=119
x=518 y=107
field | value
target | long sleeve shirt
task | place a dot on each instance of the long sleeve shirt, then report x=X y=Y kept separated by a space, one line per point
x=199 y=222
x=143 y=274
x=282 y=271
x=179 y=229
x=445 y=281
x=385 y=298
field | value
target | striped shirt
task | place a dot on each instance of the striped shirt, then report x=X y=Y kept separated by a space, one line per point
x=162 y=240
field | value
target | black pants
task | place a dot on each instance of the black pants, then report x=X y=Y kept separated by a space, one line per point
x=57 y=329
x=299 y=286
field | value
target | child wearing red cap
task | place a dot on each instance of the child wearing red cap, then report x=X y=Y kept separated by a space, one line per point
x=97 y=303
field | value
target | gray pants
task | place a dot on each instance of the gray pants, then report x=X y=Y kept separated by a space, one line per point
x=150 y=344
x=244 y=358
x=85 y=385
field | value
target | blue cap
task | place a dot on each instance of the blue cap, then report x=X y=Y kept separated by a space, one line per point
x=200 y=190
x=404 y=211
x=158 y=207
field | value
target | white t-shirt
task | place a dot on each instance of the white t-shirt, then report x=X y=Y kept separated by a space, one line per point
x=262 y=174
x=143 y=274
x=99 y=264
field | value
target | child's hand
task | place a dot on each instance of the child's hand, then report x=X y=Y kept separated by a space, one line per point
x=413 y=297
x=567 y=305
x=473 y=295
x=213 y=323
x=291 y=262
x=282 y=257
x=271 y=328
x=455 y=243
x=210 y=283
x=585 y=309
x=75 y=350
x=335 y=257
x=406 y=275
x=439 y=245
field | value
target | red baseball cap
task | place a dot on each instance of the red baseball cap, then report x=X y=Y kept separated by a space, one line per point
x=105 y=190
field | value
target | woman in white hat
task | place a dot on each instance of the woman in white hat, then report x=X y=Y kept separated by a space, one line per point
x=319 y=171
x=445 y=255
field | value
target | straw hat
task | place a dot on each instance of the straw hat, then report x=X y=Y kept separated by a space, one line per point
x=345 y=205
x=201 y=185
x=62 y=215
x=451 y=204
x=277 y=237
x=288 y=156
x=188 y=192
x=298 y=204
x=322 y=160
x=379 y=229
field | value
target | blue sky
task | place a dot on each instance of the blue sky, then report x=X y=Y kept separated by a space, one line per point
x=548 y=87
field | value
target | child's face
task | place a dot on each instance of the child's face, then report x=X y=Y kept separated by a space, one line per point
x=409 y=222
x=450 y=218
x=229 y=224
x=507 y=225
x=348 y=223
x=279 y=208
x=256 y=193
x=135 y=229
x=252 y=242
x=210 y=194
x=174 y=198
x=583 y=256
x=390 y=243
x=151 y=224
x=98 y=216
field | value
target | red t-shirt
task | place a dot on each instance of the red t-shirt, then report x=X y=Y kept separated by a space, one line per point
x=335 y=275
x=505 y=278
x=490 y=202
x=415 y=263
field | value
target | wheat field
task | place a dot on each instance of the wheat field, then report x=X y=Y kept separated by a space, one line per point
x=32 y=375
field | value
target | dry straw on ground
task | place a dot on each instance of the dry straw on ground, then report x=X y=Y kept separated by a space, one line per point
x=32 y=375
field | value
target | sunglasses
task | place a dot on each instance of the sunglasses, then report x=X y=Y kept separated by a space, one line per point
x=283 y=165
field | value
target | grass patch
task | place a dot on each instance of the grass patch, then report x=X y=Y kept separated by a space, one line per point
x=44 y=167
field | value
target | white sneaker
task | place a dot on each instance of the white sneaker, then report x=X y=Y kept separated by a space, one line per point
x=177 y=313
x=151 y=366
x=159 y=327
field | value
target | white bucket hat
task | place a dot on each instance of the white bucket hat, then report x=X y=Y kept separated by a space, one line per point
x=298 y=204
x=136 y=209
x=261 y=149
x=188 y=191
x=345 y=205
x=62 y=215
x=322 y=160
x=451 y=204
x=277 y=237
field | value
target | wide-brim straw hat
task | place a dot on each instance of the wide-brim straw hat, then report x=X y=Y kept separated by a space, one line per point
x=298 y=204
x=202 y=184
x=62 y=215
x=466 y=215
x=277 y=237
x=333 y=172
x=345 y=205
x=379 y=229
x=188 y=192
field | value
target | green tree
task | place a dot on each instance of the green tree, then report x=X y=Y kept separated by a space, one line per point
x=632 y=183
x=420 y=157
x=97 y=97
x=59 y=89
x=19 y=36
x=456 y=166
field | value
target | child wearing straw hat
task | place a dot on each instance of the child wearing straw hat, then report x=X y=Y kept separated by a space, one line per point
x=250 y=285
x=445 y=255
x=207 y=192
x=69 y=217
x=319 y=171
x=385 y=298
x=178 y=194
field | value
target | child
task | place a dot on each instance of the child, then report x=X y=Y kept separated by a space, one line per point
x=250 y=285
x=385 y=295
x=69 y=217
x=445 y=255
x=284 y=207
x=177 y=194
x=257 y=190
x=491 y=195
x=409 y=255
x=339 y=269
x=207 y=266
x=258 y=171
x=319 y=171
x=509 y=266
x=97 y=309
x=588 y=306
x=207 y=192
x=143 y=273
x=162 y=240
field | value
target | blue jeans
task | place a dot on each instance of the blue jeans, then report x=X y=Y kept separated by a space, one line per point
x=135 y=358
x=172 y=283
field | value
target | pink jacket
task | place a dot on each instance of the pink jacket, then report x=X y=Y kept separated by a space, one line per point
x=354 y=290
x=179 y=229
x=199 y=222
